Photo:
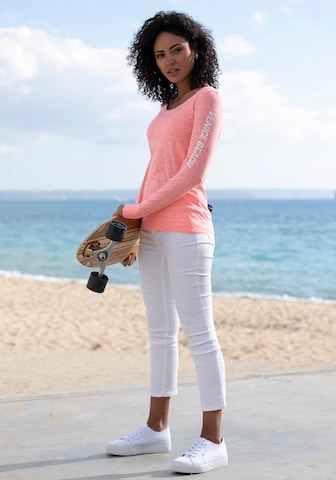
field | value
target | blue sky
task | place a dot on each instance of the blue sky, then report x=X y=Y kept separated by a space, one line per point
x=71 y=117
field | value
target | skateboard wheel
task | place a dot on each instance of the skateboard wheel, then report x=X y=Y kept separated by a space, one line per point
x=97 y=283
x=116 y=231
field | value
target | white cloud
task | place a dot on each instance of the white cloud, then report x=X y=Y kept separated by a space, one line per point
x=62 y=87
x=258 y=19
x=252 y=104
x=26 y=53
x=6 y=149
x=62 y=99
x=235 y=45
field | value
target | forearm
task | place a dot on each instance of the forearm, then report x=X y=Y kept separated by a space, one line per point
x=208 y=121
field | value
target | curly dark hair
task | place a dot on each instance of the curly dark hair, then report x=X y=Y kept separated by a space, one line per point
x=150 y=80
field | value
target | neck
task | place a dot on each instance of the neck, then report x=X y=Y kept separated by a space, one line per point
x=183 y=89
x=181 y=94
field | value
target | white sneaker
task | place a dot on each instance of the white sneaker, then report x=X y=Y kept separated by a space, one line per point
x=203 y=456
x=142 y=440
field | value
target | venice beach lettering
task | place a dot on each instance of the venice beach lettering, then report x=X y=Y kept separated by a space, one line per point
x=202 y=139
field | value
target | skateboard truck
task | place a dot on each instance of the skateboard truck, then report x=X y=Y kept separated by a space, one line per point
x=115 y=233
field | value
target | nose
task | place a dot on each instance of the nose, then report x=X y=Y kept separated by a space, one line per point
x=170 y=59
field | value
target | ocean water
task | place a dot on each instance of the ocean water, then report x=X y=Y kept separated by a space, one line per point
x=264 y=248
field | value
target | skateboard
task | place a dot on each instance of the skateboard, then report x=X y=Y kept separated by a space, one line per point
x=108 y=244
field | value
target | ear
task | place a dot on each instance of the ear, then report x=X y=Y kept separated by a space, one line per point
x=194 y=50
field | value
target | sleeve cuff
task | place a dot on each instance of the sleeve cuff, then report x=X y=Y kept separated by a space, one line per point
x=131 y=211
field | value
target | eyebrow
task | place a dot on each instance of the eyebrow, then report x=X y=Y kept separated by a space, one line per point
x=173 y=46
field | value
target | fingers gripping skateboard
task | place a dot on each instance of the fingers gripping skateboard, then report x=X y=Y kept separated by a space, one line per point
x=115 y=233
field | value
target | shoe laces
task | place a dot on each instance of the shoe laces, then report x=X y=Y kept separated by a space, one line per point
x=199 y=447
x=135 y=434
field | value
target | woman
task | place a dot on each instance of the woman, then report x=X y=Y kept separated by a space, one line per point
x=174 y=62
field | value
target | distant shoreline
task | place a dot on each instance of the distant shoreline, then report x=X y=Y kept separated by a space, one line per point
x=15 y=275
x=213 y=194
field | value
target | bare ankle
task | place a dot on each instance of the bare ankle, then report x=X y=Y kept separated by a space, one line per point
x=157 y=426
x=158 y=413
x=211 y=428
x=214 y=439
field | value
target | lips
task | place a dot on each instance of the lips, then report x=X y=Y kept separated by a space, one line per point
x=172 y=71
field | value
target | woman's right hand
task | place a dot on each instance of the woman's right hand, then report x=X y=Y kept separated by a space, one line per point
x=129 y=260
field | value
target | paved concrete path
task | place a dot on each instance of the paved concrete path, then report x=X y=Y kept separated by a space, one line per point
x=281 y=426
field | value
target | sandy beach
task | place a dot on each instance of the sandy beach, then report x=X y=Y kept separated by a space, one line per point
x=59 y=336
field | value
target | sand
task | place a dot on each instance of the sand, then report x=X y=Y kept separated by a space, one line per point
x=60 y=337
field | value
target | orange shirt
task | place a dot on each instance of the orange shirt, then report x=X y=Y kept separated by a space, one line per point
x=182 y=143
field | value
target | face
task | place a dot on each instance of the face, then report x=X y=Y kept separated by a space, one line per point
x=174 y=57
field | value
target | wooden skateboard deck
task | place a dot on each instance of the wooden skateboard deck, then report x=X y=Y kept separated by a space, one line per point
x=97 y=241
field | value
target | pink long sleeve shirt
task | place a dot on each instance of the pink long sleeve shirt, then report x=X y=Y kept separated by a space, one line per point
x=182 y=143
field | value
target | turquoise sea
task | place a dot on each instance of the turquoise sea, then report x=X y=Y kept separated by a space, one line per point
x=264 y=248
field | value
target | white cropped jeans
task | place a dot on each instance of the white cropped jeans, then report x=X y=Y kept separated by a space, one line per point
x=175 y=273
